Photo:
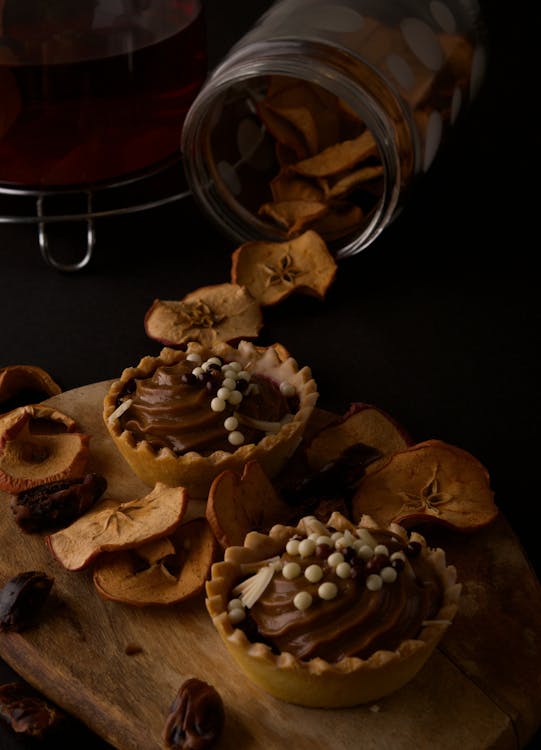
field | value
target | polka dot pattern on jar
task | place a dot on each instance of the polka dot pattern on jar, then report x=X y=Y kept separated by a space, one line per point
x=423 y=42
x=334 y=18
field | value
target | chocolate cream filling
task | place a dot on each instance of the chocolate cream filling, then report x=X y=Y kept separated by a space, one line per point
x=173 y=409
x=358 y=621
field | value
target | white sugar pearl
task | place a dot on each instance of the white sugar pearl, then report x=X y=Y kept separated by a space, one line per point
x=236 y=438
x=243 y=375
x=336 y=535
x=223 y=393
x=343 y=570
x=366 y=537
x=327 y=590
x=335 y=558
x=388 y=574
x=214 y=361
x=217 y=404
x=229 y=383
x=235 y=366
x=381 y=549
x=193 y=357
x=398 y=556
x=291 y=570
x=313 y=573
x=197 y=371
x=365 y=552
x=231 y=423
x=306 y=547
x=292 y=547
x=287 y=389
x=236 y=615
x=374 y=582
x=324 y=540
x=235 y=397
x=235 y=603
x=302 y=600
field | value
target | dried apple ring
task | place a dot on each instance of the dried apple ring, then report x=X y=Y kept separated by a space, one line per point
x=176 y=568
x=39 y=444
x=220 y=312
x=272 y=271
x=113 y=526
x=429 y=482
x=17 y=379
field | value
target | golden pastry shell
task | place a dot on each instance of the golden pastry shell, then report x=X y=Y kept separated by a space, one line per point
x=192 y=470
x=318 y=683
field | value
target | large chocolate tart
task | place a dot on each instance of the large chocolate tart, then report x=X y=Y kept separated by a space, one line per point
x=350 y=679
x=144 y=399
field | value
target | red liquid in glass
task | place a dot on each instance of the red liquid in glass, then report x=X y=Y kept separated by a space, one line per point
x=96 y=116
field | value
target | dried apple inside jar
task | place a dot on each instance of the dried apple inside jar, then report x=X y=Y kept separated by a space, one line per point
x=297 y=157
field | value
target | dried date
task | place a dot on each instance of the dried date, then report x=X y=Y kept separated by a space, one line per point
x=56 y=504
x=336 y=480
x=196 y=718
x=22 y=599
x=27 y=712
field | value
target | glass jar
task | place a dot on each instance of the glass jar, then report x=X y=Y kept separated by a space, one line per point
x=325 y=114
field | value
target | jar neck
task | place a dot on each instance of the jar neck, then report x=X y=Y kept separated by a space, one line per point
x=348 y=78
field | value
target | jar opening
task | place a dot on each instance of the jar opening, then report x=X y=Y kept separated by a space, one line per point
x=279 y=155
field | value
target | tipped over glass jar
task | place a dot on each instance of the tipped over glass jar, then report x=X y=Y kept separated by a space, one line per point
x=325 y=114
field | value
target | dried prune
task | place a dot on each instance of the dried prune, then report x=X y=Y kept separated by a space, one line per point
x=22 y=598
x=337 y=479
x=196 y=718
x=27 y=712
x=56 y=504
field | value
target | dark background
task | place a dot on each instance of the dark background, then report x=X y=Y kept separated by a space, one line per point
x=437 y=322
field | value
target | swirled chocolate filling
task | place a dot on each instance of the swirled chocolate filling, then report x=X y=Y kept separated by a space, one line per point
x=361 y=608
x=176 y=408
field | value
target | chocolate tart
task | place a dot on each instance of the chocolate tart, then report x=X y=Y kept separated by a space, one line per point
x=167 y=416
x=359 y=637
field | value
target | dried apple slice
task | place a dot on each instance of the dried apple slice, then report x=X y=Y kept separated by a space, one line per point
x=362 y=423
x=293 y=215
x=164 y=572
x=38 y=444
x=338 y=158
x=430 y=482
x=239 y=504
x=271 y=271
x=112 y=526
x=220 y=312
x=17 y=379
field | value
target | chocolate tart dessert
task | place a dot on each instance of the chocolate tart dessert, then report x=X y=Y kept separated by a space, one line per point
x=183 y=417
x=332 y=615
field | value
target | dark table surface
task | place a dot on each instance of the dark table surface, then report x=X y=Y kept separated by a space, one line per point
x=437 y=322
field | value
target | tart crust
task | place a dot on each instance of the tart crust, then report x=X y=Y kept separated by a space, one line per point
x=192 y=470
x=316 y=682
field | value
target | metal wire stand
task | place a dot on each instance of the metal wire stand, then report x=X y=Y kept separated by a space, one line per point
x=88 y=204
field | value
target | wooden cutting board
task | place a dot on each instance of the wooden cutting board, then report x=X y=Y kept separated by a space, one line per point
x=481 y=689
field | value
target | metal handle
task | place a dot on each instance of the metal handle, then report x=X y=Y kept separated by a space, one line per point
x=44 y=241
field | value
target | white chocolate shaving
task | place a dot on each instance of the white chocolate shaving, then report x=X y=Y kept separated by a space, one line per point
x=263 y=424
x=119 y=411
x=252 y=588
